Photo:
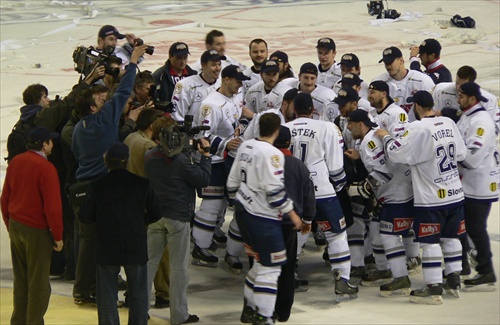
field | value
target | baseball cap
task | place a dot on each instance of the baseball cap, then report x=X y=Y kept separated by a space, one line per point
x=107 y=30
x=351 y=79
x=41 y=134
x=360 y=115
x=350 y=59
x=211 y=55
x=326 y=42
x=233 y=71
x=346 y=95
x=118 y=151
x=390 y=54
x=280 y=56
x=380 y=86
x=284 y=138
x=178 y=49
x=269 y=65
x=290 y=94
x=422 y=98
x=303 y=102
x=472 y=89
x=430 y=46
x=309 y=67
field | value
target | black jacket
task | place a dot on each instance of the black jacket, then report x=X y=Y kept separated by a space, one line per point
x=174 y=181
x=117 y=203
x=164 y=80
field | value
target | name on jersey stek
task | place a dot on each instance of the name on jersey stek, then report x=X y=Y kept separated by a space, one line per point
x=305 y=132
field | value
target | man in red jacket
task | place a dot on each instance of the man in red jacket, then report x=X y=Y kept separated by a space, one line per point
x=32 y=212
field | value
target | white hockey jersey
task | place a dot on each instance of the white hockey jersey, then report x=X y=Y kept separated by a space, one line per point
x=188 y=95
x=322 y=100
x=481 y=168
x=254 y=78
x=258 y=100
x=404 y=89
x=221 y=114
x=252 y=130
x=445 y=96
x=257 y=179
x=393 y=119
x=432 y=147
x=329 y=77
x=394 y=179
x=319 y=145
x=332 y=111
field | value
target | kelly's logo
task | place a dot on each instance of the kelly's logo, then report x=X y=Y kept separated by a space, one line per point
x=428 y=229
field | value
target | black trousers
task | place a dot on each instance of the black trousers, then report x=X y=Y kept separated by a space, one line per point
x=476 y=217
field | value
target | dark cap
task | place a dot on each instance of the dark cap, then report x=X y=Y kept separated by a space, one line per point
x=346 y=95
x=351 y=79
x=211 y=55
x=350 y=59
x=422 y=98
x=390 y=54
x=284 y=138
x=380 y=86
x=290 y=94
x=178 y=49
x=303 y=102
x=41 y=134
x=117 y=151
x=360 y=115
x=109 y=30
x=309 y=67
x=327 y=43
x=233 y=71
x=280 y=56
x=430 y=46
x=472 y=89
x=269 y=65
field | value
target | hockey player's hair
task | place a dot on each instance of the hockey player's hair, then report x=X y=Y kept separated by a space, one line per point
x=147 y=117
x=33 y=94
x=256 y=41
x=467 y=72
x=209 y=39
x=268 y=124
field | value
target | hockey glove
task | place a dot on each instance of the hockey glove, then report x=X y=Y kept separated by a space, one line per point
x=360 y=189
x=466 y=22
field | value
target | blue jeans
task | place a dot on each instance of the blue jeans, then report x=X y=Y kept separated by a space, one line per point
x=107 y=293
x=176 y=233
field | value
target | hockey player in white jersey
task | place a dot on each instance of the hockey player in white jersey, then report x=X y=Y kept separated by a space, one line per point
x=257 y=50
x=480 y=173
x=446 y=95
x=433 y=147
x=286 y=71
x=322 y=96
x=256 y=180
x=319 y=145
x=329 y=70
x=403 y=83
x=191 y=91
x=267 y=93
x=349 y=63
x=391 y=185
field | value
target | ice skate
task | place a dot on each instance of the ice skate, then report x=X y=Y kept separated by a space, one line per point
x=452 y=284
x=213 y=246
x=219 y=237
x=326 y=257
x=247 y=314
x=259 y=319
x=344 y=291
x=472 y=254
x=432 y=294
x=376 y=278
x=396 y=288
x=414 y=265
x=233 y=263
x=301 y=285
x=480 y=283
x=319 y=239
x=203 y=257
x=357 y=273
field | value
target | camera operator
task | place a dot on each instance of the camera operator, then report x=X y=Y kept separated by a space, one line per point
x=174 y=176
x=175 y=69
x=144 y=80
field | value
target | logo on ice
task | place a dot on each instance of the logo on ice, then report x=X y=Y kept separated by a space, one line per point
x=429 y=229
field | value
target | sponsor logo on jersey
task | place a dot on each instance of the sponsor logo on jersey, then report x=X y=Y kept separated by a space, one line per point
x=455 y=191
x=342 y=223
x=461 y=229
x=480 y=132
x=493 y=187
x=206 y=110
x=405 y=134
x=402 y=117
x=324 y=225
x=428 y=229
x=372 y=145
x=178 y=88
x=402 y=224
x=386 y=226
x=441 y=193
x=198 y=97
x=275 y=161
x=447 y=103
x=278 y=257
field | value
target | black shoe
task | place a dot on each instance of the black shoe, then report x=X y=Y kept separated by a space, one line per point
x=191 y=319
x=161 y=303
x=488 y=278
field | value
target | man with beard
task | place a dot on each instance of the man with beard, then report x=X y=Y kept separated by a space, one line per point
x=429 y=53
x=258 y=54
x=286 y=71
x=329 y=70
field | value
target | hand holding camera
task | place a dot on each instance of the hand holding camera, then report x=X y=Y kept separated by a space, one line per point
x=139 y=42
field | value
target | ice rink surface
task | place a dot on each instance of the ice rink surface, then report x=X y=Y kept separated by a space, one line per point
x=38 y=39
